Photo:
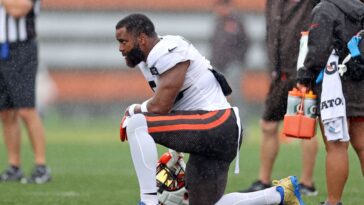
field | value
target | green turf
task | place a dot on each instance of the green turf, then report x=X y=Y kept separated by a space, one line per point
x=91 y=166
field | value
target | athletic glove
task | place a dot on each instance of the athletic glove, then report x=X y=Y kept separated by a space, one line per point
x=123 y=123
x=128 y=112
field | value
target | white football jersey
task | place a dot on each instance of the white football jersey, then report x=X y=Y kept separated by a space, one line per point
x=200 y=90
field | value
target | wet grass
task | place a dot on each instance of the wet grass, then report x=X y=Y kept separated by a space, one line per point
x=90 y=166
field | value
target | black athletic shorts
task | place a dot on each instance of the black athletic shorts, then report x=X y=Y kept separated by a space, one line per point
x=213 y=134
x=354 y=97
x=276 y=101
x=17 y=76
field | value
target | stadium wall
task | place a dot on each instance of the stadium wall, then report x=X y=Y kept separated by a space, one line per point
x=81 y=53
x=102 y=86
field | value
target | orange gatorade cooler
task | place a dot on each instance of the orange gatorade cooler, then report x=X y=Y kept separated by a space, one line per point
x=296 y=124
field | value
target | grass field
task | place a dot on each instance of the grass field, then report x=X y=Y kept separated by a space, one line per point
x=91 y=166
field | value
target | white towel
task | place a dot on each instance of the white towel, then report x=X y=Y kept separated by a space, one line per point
x=237 y=167
x=332 y=105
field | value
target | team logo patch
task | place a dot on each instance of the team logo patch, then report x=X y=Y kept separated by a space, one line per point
x=331 y=68
x=154 y=71
x=171 y=49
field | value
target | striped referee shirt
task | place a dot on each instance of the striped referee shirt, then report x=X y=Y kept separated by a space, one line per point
x=18 y=29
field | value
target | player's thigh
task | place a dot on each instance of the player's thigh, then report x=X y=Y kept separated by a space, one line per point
x=213 y=142
x=206 y=179
x=198 y=142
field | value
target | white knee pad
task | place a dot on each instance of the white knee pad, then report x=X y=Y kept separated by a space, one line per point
x=135 y=122
x=143 y=151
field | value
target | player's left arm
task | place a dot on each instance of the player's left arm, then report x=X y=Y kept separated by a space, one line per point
x=170 y=84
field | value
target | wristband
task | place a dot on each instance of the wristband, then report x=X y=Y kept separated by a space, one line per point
x=131 y=109
x=143 y=107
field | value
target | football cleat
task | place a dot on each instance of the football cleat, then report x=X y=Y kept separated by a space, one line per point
x=256 y=186
x=11 y=174
x=289 y=190
x=327 y=203
x=40 y=175
x=171 y=179
x=308 y=190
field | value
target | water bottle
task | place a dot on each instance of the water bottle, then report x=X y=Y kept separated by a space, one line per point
x=293 y=101
x=303 y=49
x=309 y=104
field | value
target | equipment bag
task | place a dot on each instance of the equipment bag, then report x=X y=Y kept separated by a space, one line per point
x=226 y=89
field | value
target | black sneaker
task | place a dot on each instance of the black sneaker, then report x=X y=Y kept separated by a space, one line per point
x=327 y=203
x=12 y=173
x=40 y=175
x=308 y=190
x=256 y=186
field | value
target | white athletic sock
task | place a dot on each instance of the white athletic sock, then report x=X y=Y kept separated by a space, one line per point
x=149 y=199
x=268 y=196
x=144 y=154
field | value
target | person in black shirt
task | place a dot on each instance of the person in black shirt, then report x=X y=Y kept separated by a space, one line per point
x=333 y=24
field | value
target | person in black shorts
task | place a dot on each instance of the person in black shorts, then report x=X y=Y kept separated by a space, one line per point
x=285 y=22
x=18 y=69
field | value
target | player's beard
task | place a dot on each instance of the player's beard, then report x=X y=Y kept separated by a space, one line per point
x=135 y=56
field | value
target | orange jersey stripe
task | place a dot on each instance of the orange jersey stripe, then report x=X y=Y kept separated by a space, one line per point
x=180 y=117
x=168 y=128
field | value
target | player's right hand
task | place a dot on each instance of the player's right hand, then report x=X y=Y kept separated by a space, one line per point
x=130 y=111
x=123 y=135
x=301 y=87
